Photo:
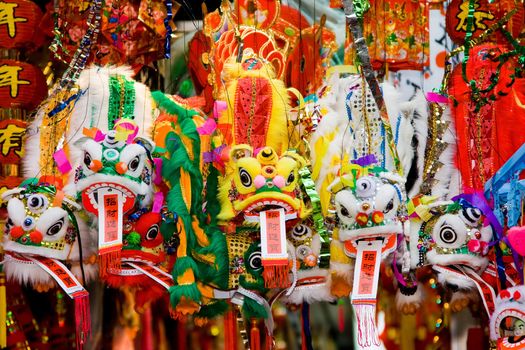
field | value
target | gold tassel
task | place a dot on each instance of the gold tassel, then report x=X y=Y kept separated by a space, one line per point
x=3 y=312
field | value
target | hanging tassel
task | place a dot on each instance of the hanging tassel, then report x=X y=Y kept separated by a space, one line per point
x=3 y=312
x=230 y=331
x=367 y=334
x=255 y=335
x=181 y=332
x=109 y=261
x=306 y=335
x=269 y=342
x=147 y=329
x=276 y=276
x=341 y=315
x=82 y=317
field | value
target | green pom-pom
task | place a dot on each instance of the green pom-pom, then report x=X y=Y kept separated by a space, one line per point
x=133 y=238
x=185 y=89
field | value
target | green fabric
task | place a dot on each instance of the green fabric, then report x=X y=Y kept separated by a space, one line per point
x=252 y=309
x=214 y=309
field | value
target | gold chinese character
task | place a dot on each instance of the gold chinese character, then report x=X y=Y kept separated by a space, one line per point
x=11 y=139
x=9 y=77
x=479 y=17
x=7 y=16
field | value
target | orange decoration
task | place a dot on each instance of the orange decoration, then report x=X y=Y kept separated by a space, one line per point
x=486 y=14
x=19 y=24
x=22 y=85
x=309 y=60
x=396 y=33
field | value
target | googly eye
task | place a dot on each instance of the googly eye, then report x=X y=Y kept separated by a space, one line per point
x=301 y=231
x=389 y=206
x=365 y=187
x=290 y=179
x=28 y=223
x=134 y=163
x=37 y=203
x=303 y=251
x=471 y=216
x=447 y=234
x=344 y=212
x=245 y=177
x=87 y=159
x=9 y=224
x=152 y=233
x=254 y=261
x=55 y=228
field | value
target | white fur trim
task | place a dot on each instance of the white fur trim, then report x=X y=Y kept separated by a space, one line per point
x=345 y=235
x=415 y=299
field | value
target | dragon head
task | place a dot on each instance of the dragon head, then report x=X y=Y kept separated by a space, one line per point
x=261 y=181
x=245 y=262
x=142 y=239
x=115 y=164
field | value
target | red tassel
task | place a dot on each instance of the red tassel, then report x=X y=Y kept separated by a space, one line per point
x=276 y=276
x=109 y=261
x=181 y=333
x=341 y=314
x=255 y=336
x=82 y=317
x=230 y=330
x=269 y=342
x=147 y=329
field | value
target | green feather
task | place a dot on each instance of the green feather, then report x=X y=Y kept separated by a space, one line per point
x=190 y=291
x=214 y=309
x=252 y=309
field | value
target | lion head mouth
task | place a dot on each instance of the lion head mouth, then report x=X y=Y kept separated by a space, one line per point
x=90 y=196
x=252 y=212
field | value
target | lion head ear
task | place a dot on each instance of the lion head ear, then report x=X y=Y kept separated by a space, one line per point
x=240 y=151
x=298 y=158
x=146 y=143
x=81 y=141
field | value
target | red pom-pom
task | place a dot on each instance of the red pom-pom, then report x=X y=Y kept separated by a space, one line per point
x=16 y=232
x=516 y=295
x=504 y=294
x=36 y=236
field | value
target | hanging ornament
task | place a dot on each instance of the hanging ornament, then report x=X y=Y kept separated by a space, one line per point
x=20 y=27
x=485 y=14
x=22 y=85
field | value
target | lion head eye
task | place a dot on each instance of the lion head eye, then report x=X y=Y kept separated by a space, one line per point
x=245 y=177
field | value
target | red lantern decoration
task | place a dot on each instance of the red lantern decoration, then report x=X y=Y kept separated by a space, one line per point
x=11 y=146
x=486 y=14
x=22 y=85
x=19 y=24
